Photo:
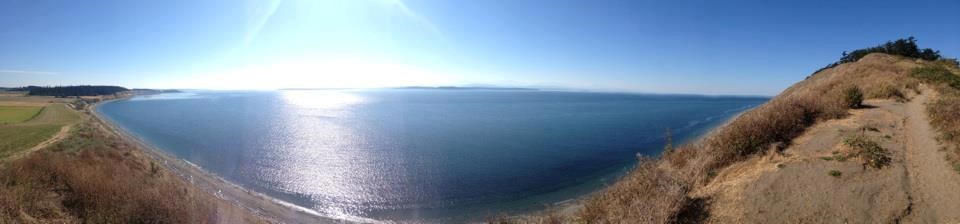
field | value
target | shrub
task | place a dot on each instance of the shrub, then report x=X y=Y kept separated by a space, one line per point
x=869 y=151
x=835 y=173
x=853 y=97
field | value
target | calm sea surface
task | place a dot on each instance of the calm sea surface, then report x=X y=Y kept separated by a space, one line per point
x=434 y=155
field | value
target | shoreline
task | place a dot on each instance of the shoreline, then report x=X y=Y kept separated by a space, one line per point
x=261 y=205
x=276 y=210
x=570 y=206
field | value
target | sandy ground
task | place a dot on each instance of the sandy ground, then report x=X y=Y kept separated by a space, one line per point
x=793 y=186
x=936 y=187
x=260 y=204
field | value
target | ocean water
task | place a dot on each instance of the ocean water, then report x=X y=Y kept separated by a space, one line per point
x=418 y=154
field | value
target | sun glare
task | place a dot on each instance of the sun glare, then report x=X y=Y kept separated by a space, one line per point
x=320 y=99
x=320 y=73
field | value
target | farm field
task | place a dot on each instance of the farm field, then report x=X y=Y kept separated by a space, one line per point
x=17 y=114
x=26 y=126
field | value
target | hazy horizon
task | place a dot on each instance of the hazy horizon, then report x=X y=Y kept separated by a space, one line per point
x=712 y=48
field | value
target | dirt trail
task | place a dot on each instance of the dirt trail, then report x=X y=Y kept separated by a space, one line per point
x=48 y=116
x=60 y=135
x=936 y=187
x=795 y=186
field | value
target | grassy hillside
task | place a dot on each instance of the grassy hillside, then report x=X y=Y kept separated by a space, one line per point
x=660 y=190
x=662 y=186
x=93 y=176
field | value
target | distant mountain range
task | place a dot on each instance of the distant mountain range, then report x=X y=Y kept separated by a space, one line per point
x=429 y=87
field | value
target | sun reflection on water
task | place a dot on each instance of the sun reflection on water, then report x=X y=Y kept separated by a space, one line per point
x=327 y=160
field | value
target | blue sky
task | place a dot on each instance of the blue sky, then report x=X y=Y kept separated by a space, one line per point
x=710 y=47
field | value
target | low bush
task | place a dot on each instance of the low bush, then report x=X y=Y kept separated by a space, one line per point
x=868 y=151
x=853 y=97
x=835 y=173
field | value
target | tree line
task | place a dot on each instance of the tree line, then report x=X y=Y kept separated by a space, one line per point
x=67 y=91
x=902 y=47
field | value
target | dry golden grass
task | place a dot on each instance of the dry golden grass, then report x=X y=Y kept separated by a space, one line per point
x=647 y=195
x=94 y=177
x=944 y=111
x=776 y=123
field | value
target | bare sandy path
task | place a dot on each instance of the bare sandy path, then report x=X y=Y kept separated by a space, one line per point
x=935 y=186
x=918 y=186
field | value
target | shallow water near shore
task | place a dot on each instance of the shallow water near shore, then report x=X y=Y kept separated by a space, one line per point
x=418 y=154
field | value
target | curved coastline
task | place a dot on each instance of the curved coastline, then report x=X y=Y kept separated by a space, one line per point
x=281 y=211
x=258 y=203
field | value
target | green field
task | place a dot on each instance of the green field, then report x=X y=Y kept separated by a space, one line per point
x=16 y=114
x=33 y=130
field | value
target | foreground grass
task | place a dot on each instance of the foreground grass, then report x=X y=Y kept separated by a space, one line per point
x=16 y=114
x=93 y=176
x=17 y=137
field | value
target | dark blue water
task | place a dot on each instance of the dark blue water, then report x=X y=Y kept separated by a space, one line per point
x=417 y=154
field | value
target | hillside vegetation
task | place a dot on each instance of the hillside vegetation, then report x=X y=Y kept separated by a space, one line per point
x=94 y=176
x=669 y=189
x=945 y=110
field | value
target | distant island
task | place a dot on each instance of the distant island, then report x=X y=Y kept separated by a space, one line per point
x=465 y=88
x=429 y=87
x=153 y=91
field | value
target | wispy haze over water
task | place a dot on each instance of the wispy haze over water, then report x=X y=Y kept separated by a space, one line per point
x=417 y=154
